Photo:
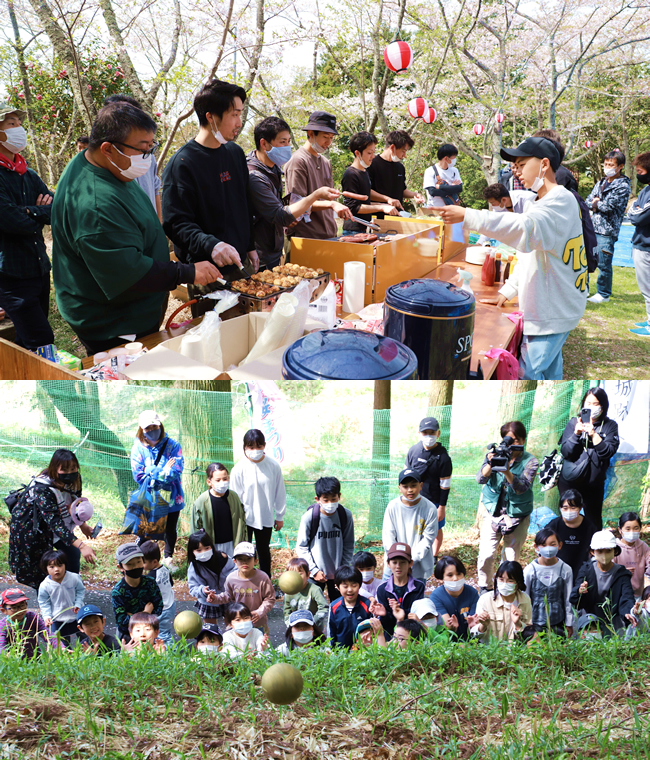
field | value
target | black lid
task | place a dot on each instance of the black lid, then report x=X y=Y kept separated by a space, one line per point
x=348 y=355
x=431 y=298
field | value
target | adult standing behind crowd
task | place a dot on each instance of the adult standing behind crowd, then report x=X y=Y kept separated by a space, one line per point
x=608 y=202
x=25 y=207
x=308 y=170
x=149 y=182
x=257 y=480
x=38 y=520
x=271 y=213
x=639 y=215
x=587 y=448
x=388 y=174
x=206 y=213
x=506 y=504
x=356 y=180
x=110 y=256
x=160 y=458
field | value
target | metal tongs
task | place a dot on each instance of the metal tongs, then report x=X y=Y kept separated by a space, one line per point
x=365 y=223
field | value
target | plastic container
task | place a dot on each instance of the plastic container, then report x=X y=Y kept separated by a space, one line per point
x=436 y=321
x=348 y=355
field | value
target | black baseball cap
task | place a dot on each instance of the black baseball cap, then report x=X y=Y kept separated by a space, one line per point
x=321 y=121
x=408 y=473
x=209 y=628
x=429 y=423
x=537 y=147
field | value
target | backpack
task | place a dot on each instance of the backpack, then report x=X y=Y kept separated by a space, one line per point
x=588 y=233
x=26 y=493
x=315 y=521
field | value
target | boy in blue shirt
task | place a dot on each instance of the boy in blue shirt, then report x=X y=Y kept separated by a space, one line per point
x=349 y=609
x=455 y=599
x=396 y=596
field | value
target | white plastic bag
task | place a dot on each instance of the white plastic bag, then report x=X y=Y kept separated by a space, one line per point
x=323 y=309
x=203 y=342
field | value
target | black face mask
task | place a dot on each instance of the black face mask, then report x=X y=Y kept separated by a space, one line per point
x=68 y=477
x=135 y=573
x=643 y=178
x=153 y=435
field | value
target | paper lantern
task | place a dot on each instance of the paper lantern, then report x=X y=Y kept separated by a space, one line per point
x=429 y=116
x=398 y=56
x=500 y=118
x=479 y=129
x=418 y=107
x=588 y=143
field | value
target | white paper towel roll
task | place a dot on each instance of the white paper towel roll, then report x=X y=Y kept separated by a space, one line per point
x=354 y=286
x=192 y=347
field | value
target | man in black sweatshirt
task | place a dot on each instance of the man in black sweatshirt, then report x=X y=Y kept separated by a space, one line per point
x=110 y=257
x=206 y=213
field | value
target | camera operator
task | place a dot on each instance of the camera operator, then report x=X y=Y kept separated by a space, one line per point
x=588 y=443
x=506 y=500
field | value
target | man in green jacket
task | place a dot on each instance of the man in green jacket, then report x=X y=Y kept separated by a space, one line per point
x=25 y=206
x=506 y=504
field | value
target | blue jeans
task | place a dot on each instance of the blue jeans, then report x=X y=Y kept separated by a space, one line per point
x=166 y=621
x=605 y=256
x=541 y=356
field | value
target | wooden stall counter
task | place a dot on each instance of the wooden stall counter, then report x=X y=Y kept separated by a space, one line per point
x=18 y=363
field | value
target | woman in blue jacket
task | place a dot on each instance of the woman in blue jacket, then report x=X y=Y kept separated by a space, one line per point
x=165 y=475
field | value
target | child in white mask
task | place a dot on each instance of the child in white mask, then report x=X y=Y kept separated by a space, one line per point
x=504 y=614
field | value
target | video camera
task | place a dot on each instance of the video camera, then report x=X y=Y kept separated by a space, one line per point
x=502 y=453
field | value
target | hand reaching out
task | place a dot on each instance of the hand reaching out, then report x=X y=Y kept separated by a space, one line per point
x=264 y=644
x=452 y=623
x=584 y=587
x=398 y=612
x=377 y=609
x=148 y=608
x=255 y=617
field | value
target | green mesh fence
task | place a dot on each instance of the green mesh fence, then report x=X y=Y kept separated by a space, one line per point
x=333 y=431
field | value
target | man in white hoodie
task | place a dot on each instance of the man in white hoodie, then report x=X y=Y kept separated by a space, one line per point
x=551 y=274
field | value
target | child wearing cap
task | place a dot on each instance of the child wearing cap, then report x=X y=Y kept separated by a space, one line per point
x=301 y=632
x=455 y=598
x=209 y=641
x=396 y=596
x=90 y=624
x=207 y=570
x=367 y=633
x=413 y=520
x=249 y=586
x=143 y=629
x=366 y=564
x=604 y=589
x=165 y=583
x=429 y=458
x=21 y=627
x=134 y=593
x=635 y=554
x=60 y=595
x=551 y=273
x=326 y=535
x=310 y=597
x=349 y=609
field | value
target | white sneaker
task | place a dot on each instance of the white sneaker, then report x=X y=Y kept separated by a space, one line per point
x=597 y=298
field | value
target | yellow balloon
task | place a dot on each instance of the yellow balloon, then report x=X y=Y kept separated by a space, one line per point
x=282 y=684
x=188 y=624
x=290 y=582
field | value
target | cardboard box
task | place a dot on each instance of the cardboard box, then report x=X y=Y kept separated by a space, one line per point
x=238 y=336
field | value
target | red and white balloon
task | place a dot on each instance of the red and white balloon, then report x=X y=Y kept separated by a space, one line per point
x=479 y=129
x=418 y=107
x=398 y=56
x=500 y=118
x=588 y=144
x=429 y=116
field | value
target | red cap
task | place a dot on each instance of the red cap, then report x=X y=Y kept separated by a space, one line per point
x=399 y=550
x=13 y=596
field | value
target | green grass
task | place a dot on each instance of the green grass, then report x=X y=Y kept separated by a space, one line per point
x=64 y=337
x=602 y=345
x=435 y=700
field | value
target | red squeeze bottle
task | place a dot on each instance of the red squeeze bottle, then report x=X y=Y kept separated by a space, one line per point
x=484 y=268
x=489 y=271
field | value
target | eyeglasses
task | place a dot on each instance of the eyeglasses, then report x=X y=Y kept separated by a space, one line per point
x=144 y=153
x=17 y=607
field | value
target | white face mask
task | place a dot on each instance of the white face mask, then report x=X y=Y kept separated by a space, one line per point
x=498 y=209
x=609 y=172
x=217 y=135
x=317 y=148
x=630 y=535
x=222 y=486
x=430 y=622
x=363 y=163
x=15 y=140
x=210 y=649
x=454 y=585
x=406 y=500
x=255 y=454
x=368 y=575
x=538 y=183
x=395 y=159
x=452 y=162
x=243 y=628
x=302 y=637
x=506 y=588
x=204 y=556
x=596 y=411
x=140 y=165
x=330 y=507
x=429 y=440
x=570 y=514
x=592 y=635
x=548 y=552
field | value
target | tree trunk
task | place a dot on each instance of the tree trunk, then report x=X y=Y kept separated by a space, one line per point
x=440 y=393
x=49 y=420
x=513 y=404
x=379 y=494
x=202 y=441
x=559 y=414
x=254 y=61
